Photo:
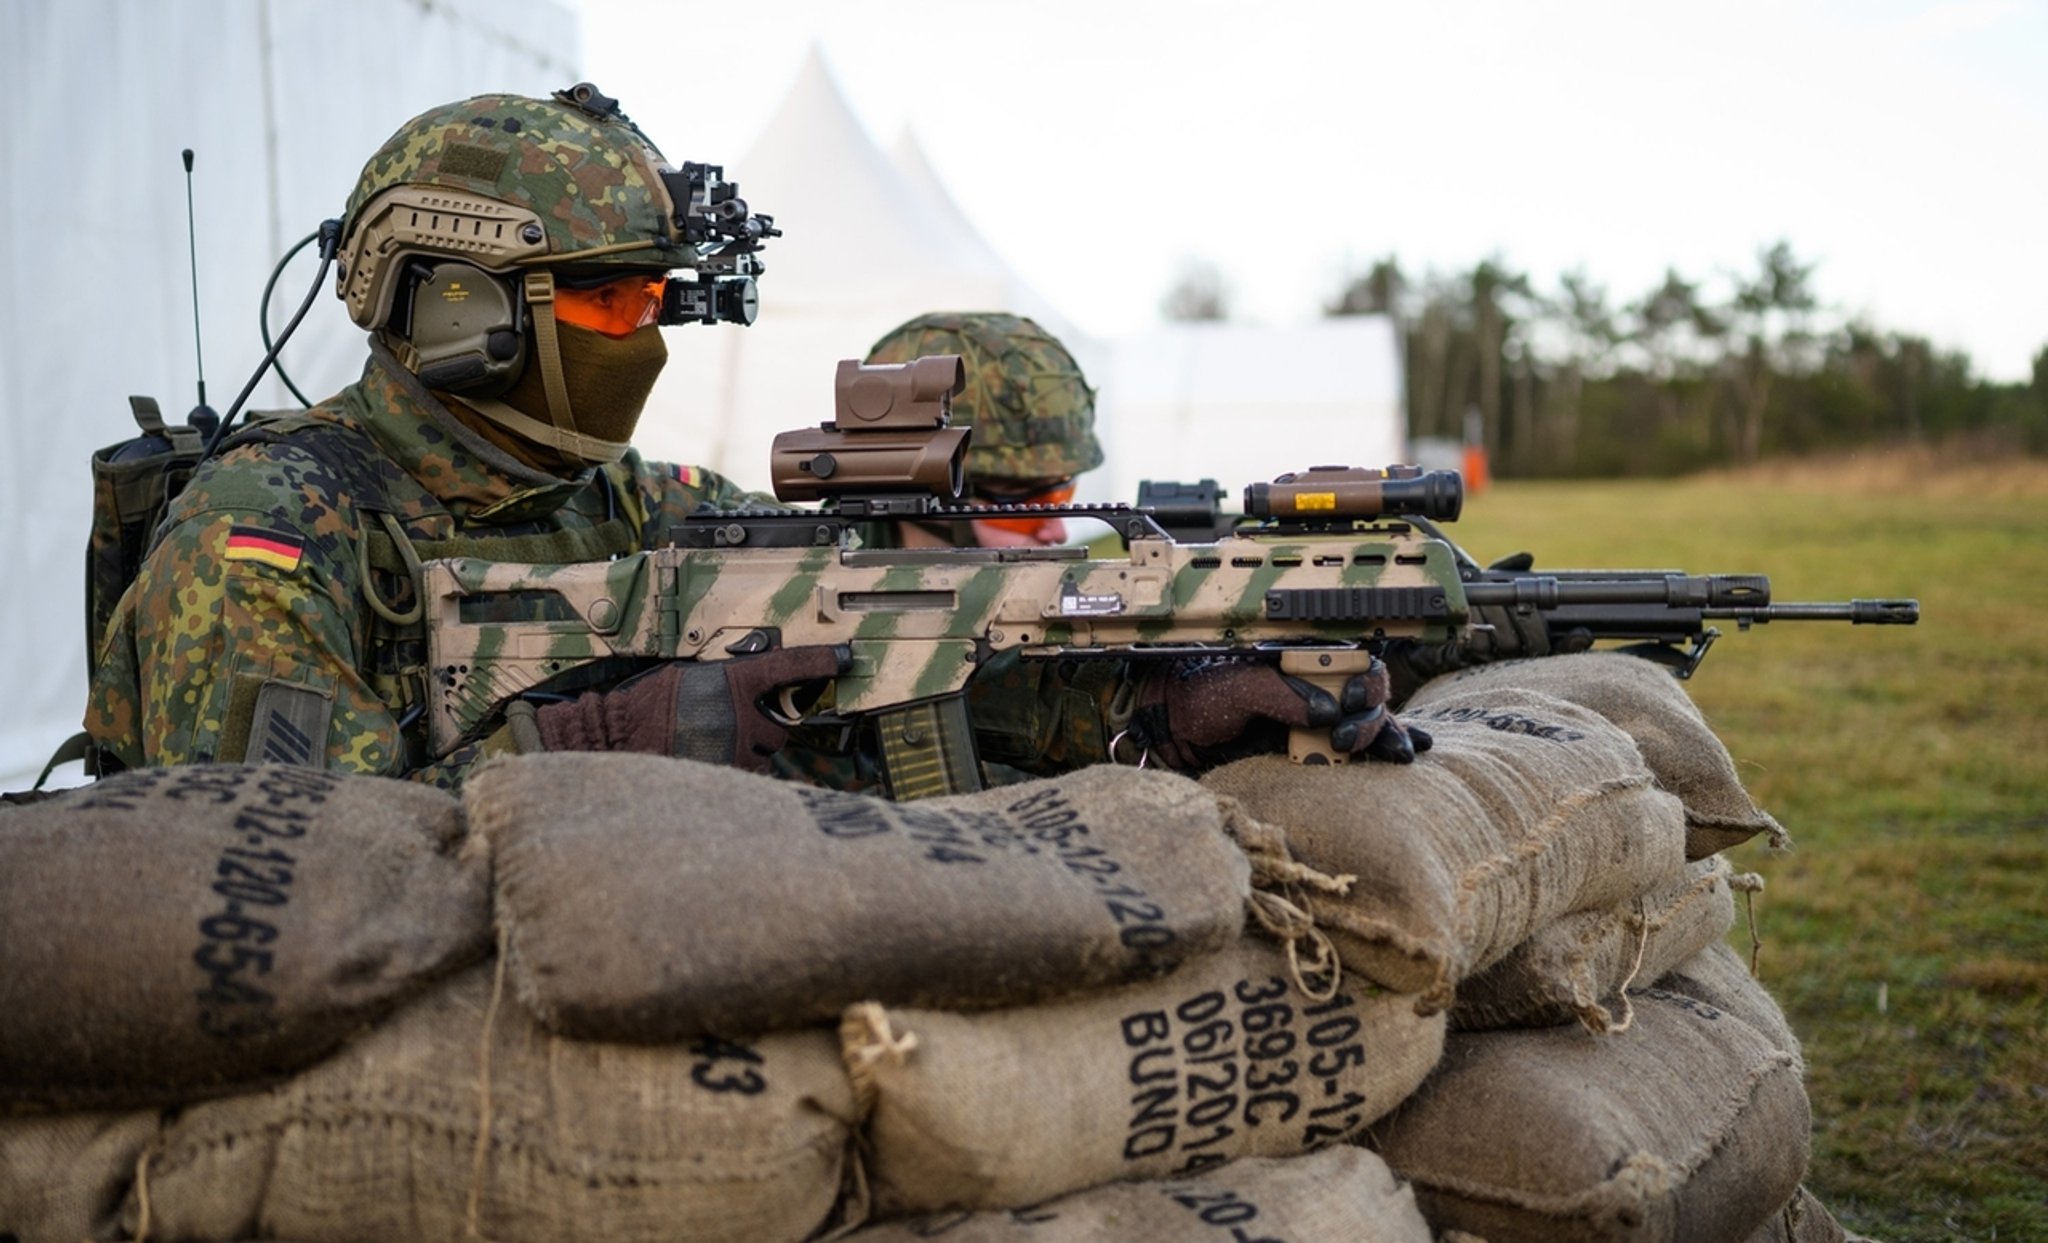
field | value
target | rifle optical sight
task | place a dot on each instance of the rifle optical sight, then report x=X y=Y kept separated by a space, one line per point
x=890 y=434
x=1345 y=493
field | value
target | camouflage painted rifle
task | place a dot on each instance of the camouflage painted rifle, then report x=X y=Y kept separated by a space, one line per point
x=1330 y=563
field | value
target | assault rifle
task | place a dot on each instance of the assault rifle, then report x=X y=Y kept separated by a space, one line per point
x=1327 y=565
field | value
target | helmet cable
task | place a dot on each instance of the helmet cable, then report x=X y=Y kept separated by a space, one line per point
x=263 y=312
x=330 y=243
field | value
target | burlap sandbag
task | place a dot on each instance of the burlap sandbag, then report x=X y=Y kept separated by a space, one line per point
x=1338 y=1195
x=63 y=1176
x=1689 y=1127
x=1652 y=706
x=1525 y=810
x=1804 y=1220
x=1719 y=977
x=176 y=932
x=645 y=898
x=711 y=1140
x=1575 y=967
x=1226 y=1058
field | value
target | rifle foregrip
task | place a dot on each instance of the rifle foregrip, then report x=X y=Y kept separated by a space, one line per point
x=1329 y=670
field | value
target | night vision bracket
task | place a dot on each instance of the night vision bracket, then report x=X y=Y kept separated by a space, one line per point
x=726 y=237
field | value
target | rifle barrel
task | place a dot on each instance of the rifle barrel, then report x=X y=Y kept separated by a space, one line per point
x=1855 y=612
x=1690 y=591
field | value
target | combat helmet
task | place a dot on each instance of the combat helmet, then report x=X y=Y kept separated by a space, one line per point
x=1032 y=411
x=470 y=219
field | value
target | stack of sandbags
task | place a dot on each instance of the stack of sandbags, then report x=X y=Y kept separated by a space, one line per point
x=1527 y=809
x=1005 y=964
x=1551 y=857
x=1116 y=1002
x=657 y=1052
x=176 y=934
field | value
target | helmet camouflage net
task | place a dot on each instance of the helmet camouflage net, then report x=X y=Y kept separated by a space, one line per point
x=1032 y=411
x=504 y=182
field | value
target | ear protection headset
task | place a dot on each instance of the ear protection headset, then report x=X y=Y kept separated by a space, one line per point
x=461 y=329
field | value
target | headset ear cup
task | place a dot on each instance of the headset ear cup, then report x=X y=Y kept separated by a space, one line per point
x=464 y=329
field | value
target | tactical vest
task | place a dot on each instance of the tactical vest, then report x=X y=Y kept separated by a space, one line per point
x=133 y=488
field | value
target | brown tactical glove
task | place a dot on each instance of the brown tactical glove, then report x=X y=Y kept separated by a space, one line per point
x=1199 y=713
x=696 y=710
x=1498 y=633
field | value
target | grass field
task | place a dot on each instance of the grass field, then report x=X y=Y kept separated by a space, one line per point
x=1907 y=934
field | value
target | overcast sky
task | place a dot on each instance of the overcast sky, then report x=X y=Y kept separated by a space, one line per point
x=1903 y=146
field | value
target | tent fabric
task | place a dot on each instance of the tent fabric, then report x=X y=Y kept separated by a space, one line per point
x=281 y=103
x=874 y=238
x=867 y=244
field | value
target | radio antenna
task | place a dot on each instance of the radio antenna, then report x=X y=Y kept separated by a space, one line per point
x=192 y=252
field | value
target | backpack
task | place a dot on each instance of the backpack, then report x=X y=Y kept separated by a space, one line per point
x=133 y=483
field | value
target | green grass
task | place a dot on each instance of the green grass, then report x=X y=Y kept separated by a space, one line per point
x=1907 y=934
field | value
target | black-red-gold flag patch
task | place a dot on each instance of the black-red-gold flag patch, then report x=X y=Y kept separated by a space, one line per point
x=276 y=549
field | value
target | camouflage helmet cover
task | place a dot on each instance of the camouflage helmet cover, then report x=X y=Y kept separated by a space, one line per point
x=1032 y=411
x=505 y=181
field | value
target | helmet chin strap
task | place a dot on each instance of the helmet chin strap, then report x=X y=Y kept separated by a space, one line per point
x=560 y=433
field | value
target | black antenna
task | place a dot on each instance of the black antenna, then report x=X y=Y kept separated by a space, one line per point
x=192 y=251
x=202 y=416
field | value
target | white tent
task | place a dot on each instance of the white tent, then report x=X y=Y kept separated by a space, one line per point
x=281 y=104
x=869 y=243
x=1238 y=403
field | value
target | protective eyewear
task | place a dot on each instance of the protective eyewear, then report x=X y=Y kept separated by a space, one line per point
x=615 y=308
x=1055 y=494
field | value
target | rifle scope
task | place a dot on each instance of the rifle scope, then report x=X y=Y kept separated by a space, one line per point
x=1332 y=493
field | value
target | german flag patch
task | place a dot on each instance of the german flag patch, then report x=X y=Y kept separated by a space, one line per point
x=689 y=476
x=275 y=549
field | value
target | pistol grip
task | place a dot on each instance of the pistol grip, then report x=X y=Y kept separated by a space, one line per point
x=1328 y=669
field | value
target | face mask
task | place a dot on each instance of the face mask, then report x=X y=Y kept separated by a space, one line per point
x=608 y=379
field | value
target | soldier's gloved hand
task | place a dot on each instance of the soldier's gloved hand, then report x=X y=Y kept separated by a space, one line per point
x=1201 y=712
x=1498 y=633
x=699 y=710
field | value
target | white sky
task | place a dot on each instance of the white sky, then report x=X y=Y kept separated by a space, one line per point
x=1099 y=143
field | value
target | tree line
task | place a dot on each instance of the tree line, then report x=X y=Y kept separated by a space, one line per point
x=1570 y=381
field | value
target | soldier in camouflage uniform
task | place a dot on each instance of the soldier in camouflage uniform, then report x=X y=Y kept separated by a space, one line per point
x=276 y=617
x=507 y=255
x=1033 y=416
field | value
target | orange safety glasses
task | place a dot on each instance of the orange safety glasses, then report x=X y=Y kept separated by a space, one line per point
x=617 y=308
x=1056 y=494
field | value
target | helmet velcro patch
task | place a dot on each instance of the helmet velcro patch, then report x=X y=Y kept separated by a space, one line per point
x=460 y=159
